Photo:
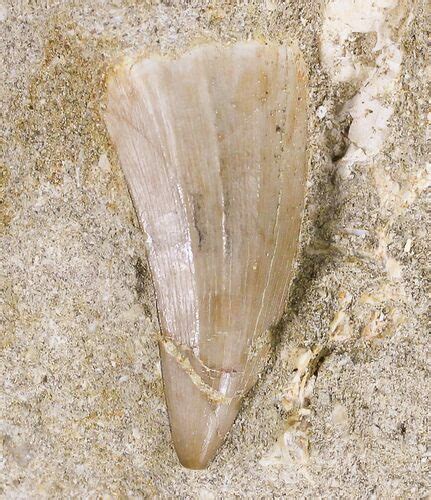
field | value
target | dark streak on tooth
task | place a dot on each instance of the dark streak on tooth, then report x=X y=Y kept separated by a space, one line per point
x=197 y=219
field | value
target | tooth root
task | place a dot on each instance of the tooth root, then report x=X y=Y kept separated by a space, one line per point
x=198 y=423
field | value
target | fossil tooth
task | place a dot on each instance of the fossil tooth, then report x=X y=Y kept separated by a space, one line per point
x=212 y=145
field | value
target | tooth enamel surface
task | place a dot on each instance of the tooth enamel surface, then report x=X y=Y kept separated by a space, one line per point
x=213 y=147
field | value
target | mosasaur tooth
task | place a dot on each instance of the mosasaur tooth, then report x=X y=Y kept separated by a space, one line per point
x=213 y=147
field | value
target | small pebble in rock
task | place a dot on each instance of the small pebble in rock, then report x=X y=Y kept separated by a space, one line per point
x=321 y=112
x=3 y=13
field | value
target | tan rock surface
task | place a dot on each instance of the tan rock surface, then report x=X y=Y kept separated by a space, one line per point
x=81 y=400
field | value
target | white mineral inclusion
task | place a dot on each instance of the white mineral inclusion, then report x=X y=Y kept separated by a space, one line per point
x=375 y=78
x=3 y=13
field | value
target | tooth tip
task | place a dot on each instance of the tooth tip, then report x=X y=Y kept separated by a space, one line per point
x=192 y=460
x=198 y=426
x=198 y=438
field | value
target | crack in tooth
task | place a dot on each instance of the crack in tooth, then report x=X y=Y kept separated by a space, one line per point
x=214 y=395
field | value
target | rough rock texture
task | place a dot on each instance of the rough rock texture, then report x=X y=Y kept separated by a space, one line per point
x=342 y=408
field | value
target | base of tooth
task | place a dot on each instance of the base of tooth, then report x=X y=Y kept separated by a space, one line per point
x=198 y=423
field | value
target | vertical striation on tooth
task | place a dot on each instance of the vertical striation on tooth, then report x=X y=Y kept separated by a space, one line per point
x=213 y=147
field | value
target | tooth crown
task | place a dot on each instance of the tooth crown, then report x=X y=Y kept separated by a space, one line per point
x=213 y=147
